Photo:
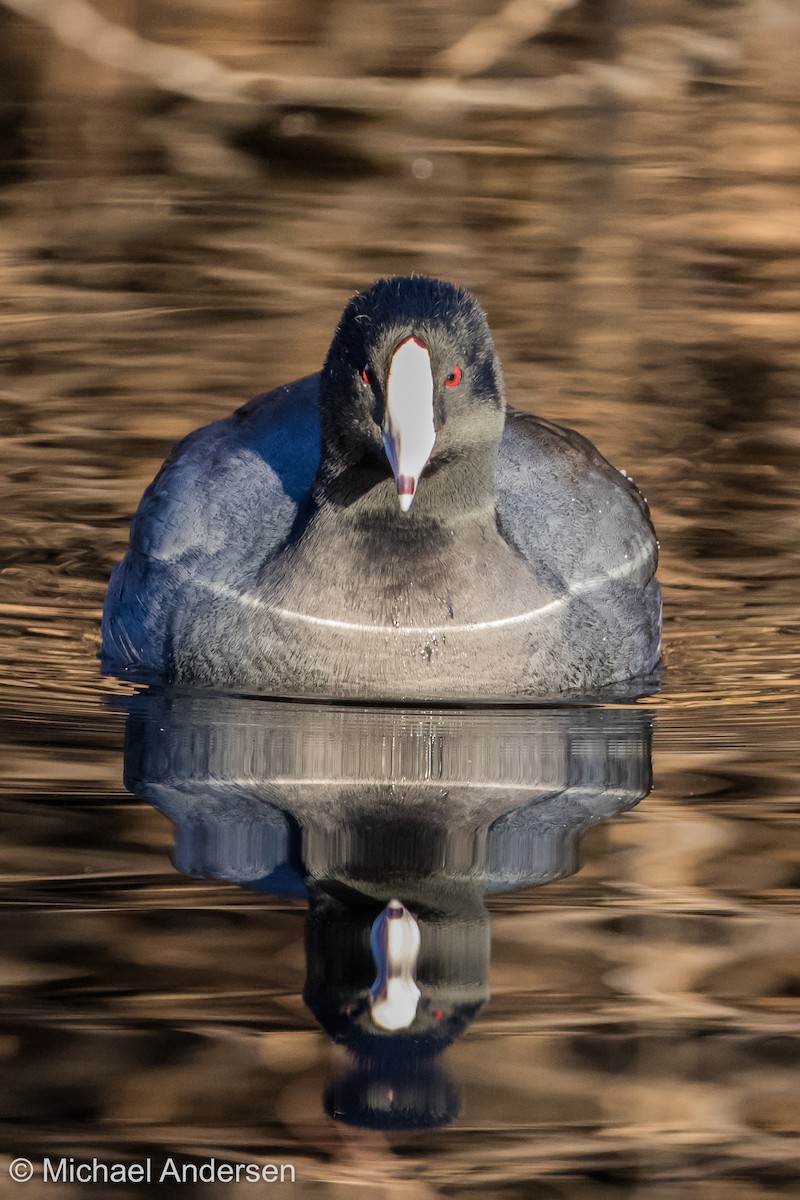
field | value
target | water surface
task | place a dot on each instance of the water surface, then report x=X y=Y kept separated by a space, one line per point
x=626 y=1029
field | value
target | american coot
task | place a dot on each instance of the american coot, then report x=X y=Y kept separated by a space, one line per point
x=389 y=529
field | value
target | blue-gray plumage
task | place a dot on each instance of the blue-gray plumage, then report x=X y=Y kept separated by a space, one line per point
x=388 y=529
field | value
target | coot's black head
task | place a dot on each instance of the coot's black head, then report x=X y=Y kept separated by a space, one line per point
x=411 y=381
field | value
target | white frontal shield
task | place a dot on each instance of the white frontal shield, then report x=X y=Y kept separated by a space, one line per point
x=408 y=432
x=395 y=941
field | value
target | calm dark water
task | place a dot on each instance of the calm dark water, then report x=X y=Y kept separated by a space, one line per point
x=178 y=955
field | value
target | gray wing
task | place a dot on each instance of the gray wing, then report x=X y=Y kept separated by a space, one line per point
x=224 y=500
x=584 y=528
x=568 y=510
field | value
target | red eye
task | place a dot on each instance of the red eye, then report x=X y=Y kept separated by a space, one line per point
x=367 y=374
x=454 y=378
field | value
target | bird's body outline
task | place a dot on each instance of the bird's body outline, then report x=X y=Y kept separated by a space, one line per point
x=249 y=569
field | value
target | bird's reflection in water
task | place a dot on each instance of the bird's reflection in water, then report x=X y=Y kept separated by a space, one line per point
x=394 y=824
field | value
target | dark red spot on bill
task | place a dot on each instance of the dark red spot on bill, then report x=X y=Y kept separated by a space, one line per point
x=412 y=337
